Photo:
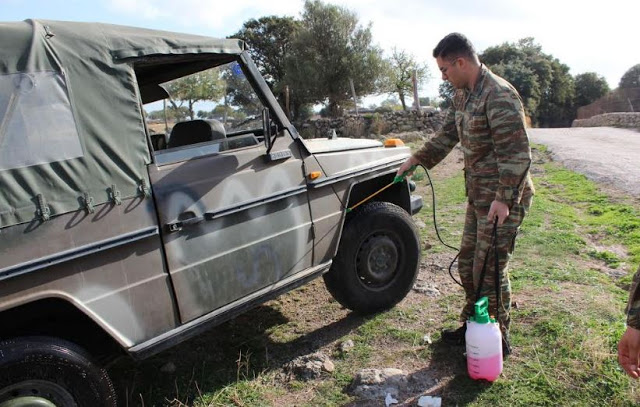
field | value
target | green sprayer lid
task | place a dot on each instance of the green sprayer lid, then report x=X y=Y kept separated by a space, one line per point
x=482 y=312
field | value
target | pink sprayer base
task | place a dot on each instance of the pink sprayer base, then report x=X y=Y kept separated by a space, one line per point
x=485 y=368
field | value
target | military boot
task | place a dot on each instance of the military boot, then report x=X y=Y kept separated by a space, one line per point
x=455 y=337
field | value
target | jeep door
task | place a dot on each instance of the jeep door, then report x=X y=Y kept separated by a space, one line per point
x=234 y=224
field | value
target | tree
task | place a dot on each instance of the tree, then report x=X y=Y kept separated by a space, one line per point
x=194 y=88
x=446 y=92
x=238 y=91
x=543 y=82
x=589 y=87
x=631 y=78
x=399 y=74
x=269 y=40
x=556 y=106
x=331 y=49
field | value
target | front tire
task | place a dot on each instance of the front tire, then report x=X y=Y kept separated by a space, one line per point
x=49 y=371
x=377 y=260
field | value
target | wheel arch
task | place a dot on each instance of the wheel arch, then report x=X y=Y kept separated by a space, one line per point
x=397 y=194
x=58 y=317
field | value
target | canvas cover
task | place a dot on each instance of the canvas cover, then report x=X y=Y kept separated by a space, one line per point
x=72 y=132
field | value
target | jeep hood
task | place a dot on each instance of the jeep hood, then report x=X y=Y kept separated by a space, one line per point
x=345 y=157
x=323 y=145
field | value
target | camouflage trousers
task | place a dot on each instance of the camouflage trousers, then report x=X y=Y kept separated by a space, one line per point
x=476 y=241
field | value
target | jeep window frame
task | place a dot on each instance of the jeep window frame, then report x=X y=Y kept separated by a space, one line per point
x=153 y=71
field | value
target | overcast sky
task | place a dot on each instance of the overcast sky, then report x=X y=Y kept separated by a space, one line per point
x=587 y=35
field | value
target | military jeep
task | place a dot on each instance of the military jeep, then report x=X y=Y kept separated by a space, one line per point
x=116 y=240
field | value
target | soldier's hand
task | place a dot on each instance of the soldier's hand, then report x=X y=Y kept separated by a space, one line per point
x=411 y=161
x=629 y=351
x=500 y=210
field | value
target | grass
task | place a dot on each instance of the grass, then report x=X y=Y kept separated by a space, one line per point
x=565 y=328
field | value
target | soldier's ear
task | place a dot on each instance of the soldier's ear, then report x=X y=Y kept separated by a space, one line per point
x=463 y=63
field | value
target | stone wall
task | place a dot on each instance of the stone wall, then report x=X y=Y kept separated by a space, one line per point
x=373 y=125
x=626 y=120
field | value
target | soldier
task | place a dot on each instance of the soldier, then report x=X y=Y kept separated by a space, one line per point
x=629 y=346
x=488 y=120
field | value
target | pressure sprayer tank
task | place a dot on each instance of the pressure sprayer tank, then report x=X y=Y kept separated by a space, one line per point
x=484 y=344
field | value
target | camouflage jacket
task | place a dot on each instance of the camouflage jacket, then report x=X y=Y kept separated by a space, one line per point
x=633 y=307
x=489 y=123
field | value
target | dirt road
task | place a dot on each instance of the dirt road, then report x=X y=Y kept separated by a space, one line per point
x=606 y=155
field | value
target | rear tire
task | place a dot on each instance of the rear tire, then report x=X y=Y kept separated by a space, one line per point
x=42 y=370
x=377 y=260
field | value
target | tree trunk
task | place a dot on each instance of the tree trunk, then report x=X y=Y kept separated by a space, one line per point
x=404 y=105
x=335 y=110
x=191 y=115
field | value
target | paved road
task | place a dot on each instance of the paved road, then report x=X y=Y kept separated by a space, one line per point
x=603 y=154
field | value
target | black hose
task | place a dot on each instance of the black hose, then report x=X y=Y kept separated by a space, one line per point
x=435 y=226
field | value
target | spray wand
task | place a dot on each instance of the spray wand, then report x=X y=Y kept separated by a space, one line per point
x=397 y=179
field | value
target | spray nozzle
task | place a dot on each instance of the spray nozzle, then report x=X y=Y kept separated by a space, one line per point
x=399 y=178
x=482 y=312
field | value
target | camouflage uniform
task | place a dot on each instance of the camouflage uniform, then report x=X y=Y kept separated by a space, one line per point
x=633 y=307
x=489 y=123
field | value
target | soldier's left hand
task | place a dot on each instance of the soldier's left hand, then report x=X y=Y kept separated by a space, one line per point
x=629 y=351
x=498 y=210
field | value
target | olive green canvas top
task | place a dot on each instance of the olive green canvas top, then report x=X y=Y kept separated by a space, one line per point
x=72 y=133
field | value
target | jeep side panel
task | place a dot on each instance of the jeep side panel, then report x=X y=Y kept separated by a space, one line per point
x=105 y=263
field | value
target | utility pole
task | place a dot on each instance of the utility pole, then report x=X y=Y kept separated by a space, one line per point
x=226 y=108
x=166 y=122
x=353 y=92
x=286 y=102
x=416 y=100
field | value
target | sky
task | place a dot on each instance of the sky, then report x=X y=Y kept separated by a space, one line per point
x=587 y=35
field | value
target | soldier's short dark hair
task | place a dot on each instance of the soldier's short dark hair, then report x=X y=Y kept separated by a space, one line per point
x=454 y=45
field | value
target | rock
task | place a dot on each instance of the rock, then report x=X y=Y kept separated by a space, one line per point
x=168 y=367
x=374 y=384
x=389 y=400
x=426 y=288
x=346 y=346
x=427 y=246
x=309 y=366
x=420 y=224
x=429 y=401
x=427 y=339
x=328 y=366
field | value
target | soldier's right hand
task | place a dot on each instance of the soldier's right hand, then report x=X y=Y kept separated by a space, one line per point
x=406 y=166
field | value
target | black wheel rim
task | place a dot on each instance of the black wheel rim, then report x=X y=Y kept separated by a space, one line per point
x=35 y=393
x=378 y=260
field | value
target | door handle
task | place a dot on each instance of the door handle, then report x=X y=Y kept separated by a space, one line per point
x=185 y=219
